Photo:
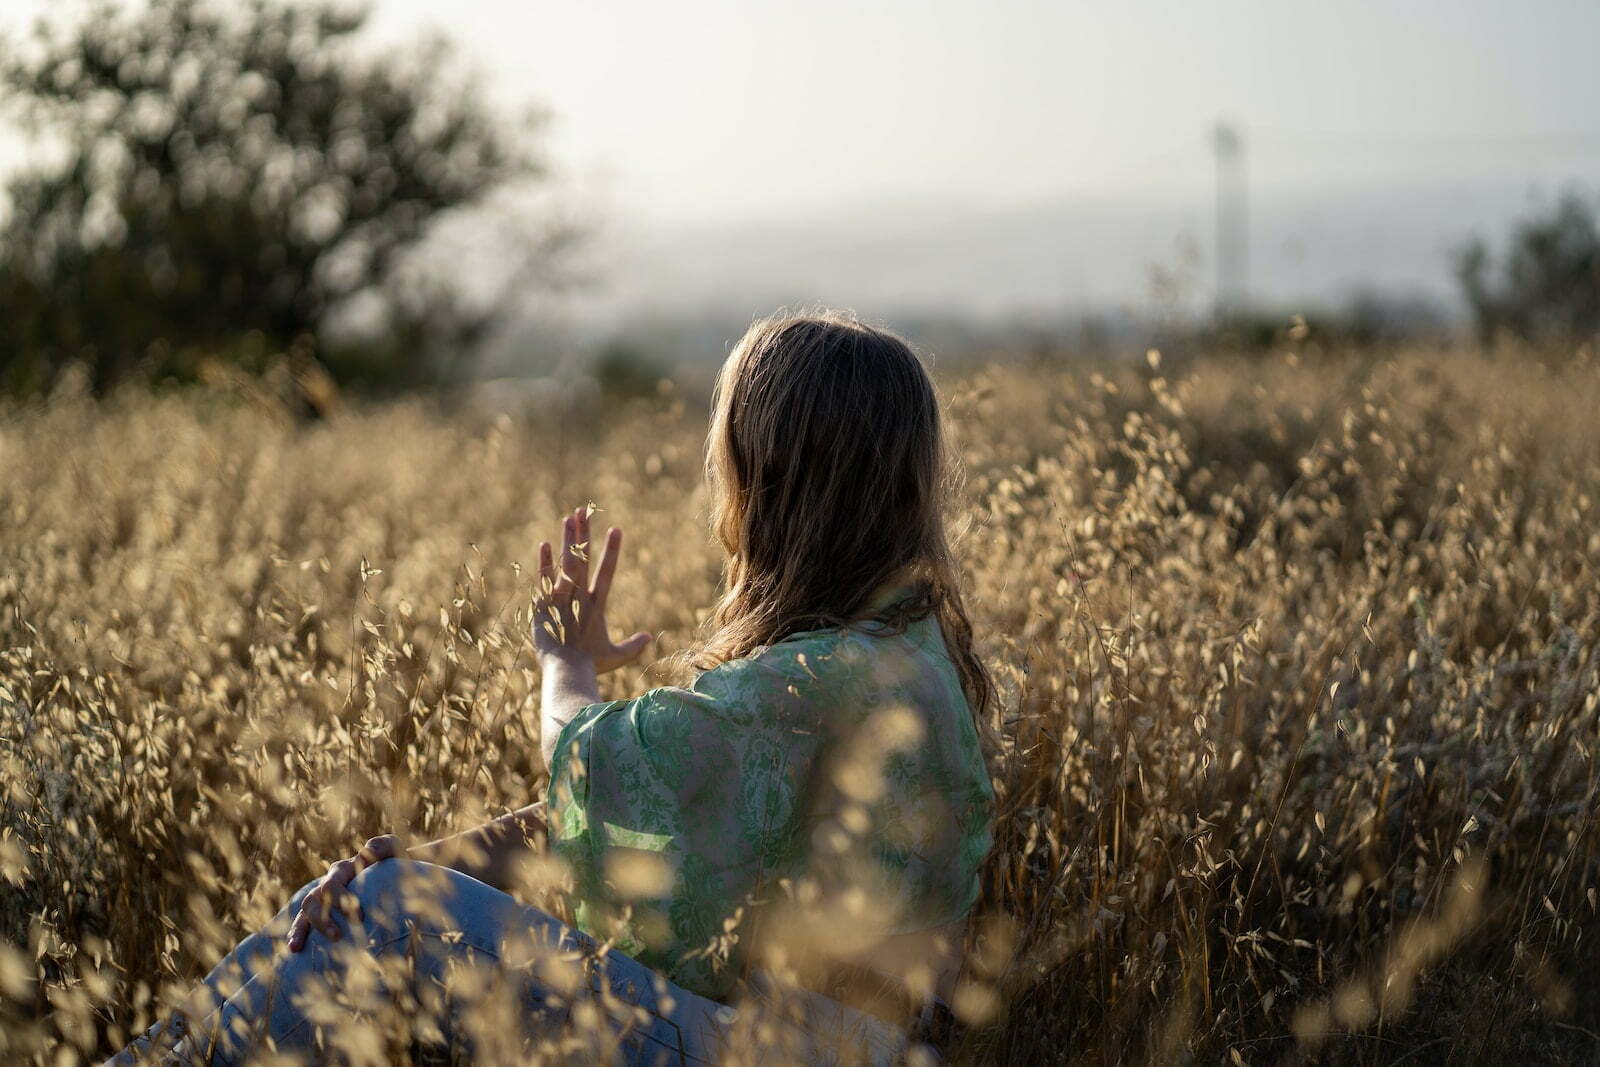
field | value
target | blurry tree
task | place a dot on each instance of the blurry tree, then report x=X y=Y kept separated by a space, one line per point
x=228 y=178
x=624 y=368
x=1546 y=287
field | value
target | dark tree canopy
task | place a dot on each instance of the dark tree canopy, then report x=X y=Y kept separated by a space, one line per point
x=1546 y=285
x=230 y=176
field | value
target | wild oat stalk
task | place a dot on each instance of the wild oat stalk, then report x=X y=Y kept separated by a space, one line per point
x=1296 y=756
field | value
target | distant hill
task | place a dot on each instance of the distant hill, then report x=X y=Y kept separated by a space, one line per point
x=956 y=275
x=1047 y=261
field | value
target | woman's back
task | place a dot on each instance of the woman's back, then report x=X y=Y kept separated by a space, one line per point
x=832 y=783
x=812 y=812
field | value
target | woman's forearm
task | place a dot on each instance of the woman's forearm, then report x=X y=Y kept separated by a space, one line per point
x=570 y=684
x=489 y=852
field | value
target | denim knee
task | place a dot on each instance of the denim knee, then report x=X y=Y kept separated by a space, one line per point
x=398 y=897
x=393 y=890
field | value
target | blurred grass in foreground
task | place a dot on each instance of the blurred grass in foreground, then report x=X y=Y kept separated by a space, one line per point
x=1298 y=659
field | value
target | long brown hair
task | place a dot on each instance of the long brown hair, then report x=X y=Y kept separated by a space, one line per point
x=827 y=472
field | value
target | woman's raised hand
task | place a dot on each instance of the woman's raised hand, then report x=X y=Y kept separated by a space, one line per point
x=569 y=615
x=316 y=907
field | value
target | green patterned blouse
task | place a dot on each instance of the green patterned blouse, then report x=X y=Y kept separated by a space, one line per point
x=843 y=757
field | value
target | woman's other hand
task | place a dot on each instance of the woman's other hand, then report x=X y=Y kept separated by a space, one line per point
x=316 y=907
x=569 y=616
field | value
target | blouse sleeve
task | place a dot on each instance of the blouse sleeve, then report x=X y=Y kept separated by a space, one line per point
x=660 y=773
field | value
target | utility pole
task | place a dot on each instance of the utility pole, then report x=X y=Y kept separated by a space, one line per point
x=1233 y=224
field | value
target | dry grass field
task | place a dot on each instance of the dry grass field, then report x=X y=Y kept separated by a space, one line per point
x=1295 y=756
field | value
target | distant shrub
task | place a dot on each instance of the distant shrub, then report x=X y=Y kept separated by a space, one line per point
x=234 y=177
x=1545 y=286
x=623 y=369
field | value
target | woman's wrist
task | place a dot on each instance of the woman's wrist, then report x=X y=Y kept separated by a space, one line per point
x=570 y=683
x=570 y=657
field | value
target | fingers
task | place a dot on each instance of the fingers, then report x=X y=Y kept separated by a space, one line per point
x=630 y=648
x=299 y=928
x=575 y=552
x=567 y=595
x=579 y=571
x=340 y=875
x=555 y=588
x=546 y=617
x=607 y=567
x=316 y=907
x=315 y=913
x=378 y=849
x=572 y=563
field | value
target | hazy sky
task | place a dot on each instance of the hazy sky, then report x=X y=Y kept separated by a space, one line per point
x=834 y=116
x=720 y=108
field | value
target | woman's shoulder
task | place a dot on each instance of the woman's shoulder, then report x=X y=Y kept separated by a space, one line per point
x=799 y=660
x=836 y=656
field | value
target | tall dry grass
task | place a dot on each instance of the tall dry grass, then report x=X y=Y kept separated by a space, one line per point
x=1295 y=756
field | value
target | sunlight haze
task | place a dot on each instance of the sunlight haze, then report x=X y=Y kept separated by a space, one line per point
x=742 y=152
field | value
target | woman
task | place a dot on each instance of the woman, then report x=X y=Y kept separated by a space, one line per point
x=786 y=851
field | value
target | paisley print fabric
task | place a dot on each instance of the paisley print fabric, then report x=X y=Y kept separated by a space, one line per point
x=835 y=758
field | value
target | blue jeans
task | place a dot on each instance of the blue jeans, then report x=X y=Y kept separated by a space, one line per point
x=434 y=947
